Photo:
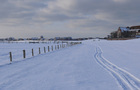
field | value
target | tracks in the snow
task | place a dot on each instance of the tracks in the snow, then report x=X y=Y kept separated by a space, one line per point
x=124 y=78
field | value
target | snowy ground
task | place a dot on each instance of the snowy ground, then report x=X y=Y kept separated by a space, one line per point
x=93 y=65
x=17 y=50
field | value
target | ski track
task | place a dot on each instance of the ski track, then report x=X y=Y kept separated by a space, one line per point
x=124 y=78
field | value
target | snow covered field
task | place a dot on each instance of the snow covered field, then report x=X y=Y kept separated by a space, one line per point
x=17 y=50
x=92 y=65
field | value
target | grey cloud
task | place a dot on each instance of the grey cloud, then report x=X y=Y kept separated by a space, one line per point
x=19 y=9
x=91 y=14
x=77 y=8
x=125 y=12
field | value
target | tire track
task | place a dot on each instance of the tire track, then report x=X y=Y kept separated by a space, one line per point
x=124 y=78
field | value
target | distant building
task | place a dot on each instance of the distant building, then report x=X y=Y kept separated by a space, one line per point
x=63 y=38
x=126 y=32
x=11 y=39
x=66 y=38
x=21 y=39
x=137 y=29
x=108 y=36
x=138 y=34
x=42 y=38
x=1 y=39
x=113 y=34
x=34 y=38
x=57 y=38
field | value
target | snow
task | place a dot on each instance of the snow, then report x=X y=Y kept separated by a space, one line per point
x=124 y=54
x=92 y=65
x=124 y=29
x=17 y=50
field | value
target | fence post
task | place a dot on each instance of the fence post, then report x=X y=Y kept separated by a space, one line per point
x=32 y=52
x=10 y=57
x=58 y=46
x=52 y=47
x=44 y=50
x=24 y=54
x=39 y=51
x=48 y=49
x=55 y=47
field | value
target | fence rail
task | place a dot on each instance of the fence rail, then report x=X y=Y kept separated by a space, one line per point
x=44 y=50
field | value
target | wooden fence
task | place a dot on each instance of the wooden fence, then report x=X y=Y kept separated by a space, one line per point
x=49 y=49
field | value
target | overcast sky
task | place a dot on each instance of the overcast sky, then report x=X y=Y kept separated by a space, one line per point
x=76 y=18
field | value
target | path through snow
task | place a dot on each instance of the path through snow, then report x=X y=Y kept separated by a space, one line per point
x=71 y=68
x=124 y=78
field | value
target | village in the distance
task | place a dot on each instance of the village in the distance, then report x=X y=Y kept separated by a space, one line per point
x=123 y=33
x=128 y=32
